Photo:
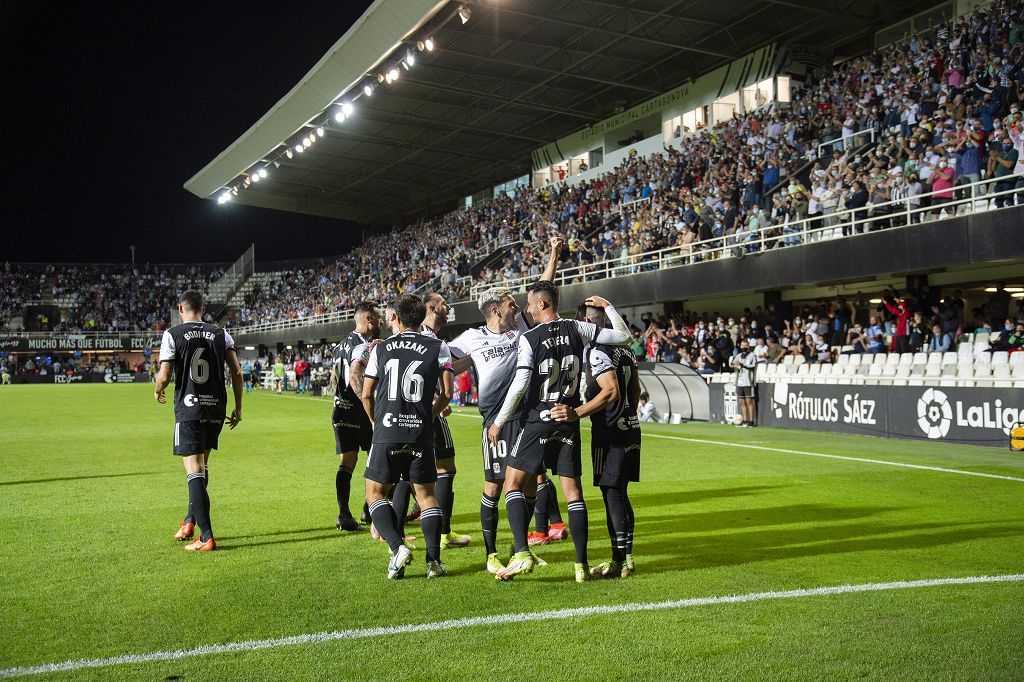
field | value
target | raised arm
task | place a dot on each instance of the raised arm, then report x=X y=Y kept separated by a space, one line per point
x=556 y=244
x=619 y=334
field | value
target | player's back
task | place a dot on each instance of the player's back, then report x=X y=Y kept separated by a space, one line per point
x=555 y=351
x=199 y=350
x=406 y=367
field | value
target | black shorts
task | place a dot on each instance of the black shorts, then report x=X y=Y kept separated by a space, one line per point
x=744 y=391
x=495 y=456
x=195 y=436
x=444 y=446
x=537 y=450
x=350 y=438
x=389 y=462
x=615 y=463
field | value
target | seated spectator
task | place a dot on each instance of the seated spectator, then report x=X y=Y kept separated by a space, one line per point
x=646 y=411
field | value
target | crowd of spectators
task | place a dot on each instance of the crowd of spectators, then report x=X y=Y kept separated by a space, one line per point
x=97 y=297
x=922 y=320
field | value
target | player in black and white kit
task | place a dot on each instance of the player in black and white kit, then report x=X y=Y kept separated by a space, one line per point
x=491 y=350
x=197 y=351
x=351 y=425
x=399 y=397
x=549 y=366
x=444 y=445
x=612 y=392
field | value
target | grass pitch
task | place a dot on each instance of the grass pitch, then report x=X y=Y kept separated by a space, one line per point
x=90 y=496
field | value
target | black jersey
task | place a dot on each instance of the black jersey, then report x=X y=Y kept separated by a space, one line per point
x=553 y=351
x=348 y=407
x=406 y=367
x=198 y=351
x=618 y=420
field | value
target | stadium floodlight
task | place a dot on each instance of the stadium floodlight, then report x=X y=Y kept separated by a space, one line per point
x=299 y=148
x=224 y=197
x=339 y=116
x=255 y=177
x=367 y=90
x=262 y=172
x=319 y=131
x=348 y=109
x=277 y=164
x=410 y=59
x=465 y=13
x=288 y=152
x=393 y=75
x=234 y=191
x=429 y=44
x=306 y=142
x=404 y=64
x=246 y=182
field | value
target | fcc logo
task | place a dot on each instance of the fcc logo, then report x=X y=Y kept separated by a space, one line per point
x=934 y=415
x=190 y=400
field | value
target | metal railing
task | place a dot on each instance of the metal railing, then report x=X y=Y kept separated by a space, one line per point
x=845 y=223
x=870 y=133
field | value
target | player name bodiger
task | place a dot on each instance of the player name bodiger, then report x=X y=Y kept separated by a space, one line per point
x=199 y=333
x=403 y=344
x=562 y=340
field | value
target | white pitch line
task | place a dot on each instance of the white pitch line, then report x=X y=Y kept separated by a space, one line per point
x=824 y=455
x=501 y=619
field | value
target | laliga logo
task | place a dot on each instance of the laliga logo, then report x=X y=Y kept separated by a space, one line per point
x=387 y=420
x=190 y=400
x=934 y=415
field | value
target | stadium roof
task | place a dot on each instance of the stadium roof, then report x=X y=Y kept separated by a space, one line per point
x=517 y=74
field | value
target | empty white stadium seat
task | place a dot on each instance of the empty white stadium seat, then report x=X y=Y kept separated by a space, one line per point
x=880 y=359
x=919 y=358
x=1000 y=357
x=1017 y=358
x=949 y=358
x=965 y=349
x=896 y=358
x=854 y=359
x=983 y=359
x=933 y=371
x=981 y=337
x=842 y=359
x=936 y=358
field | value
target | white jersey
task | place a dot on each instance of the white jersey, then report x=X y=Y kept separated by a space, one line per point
x=494 y=357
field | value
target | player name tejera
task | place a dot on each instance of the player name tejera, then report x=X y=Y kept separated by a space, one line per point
x=191 y=335
x=402 y=344
x=555 y=341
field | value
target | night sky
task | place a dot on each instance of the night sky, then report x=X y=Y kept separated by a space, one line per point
x=111 y=107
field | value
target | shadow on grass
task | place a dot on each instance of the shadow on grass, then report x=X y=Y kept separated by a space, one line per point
x=80 y=478
x=297 y=531
x=241 y=544
x=644 y=501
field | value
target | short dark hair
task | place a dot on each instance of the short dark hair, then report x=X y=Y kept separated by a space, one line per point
x=645 y=396
x=191 y=301
x=365 y=307
x=547 y=289
x=411 y=310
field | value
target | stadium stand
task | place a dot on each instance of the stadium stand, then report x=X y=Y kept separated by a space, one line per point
x=896 y=136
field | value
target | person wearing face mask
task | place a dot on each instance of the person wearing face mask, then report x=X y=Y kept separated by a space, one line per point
x=1001 y=164
x=941 y=182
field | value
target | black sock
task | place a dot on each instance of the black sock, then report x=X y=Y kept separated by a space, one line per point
x=489 y=522
x=342 y=488
x=430 y=523
x=189 y=516
x=531 y=505
x=540 y=514
x=199 y=503
x=384 y=521
x=366 y=513
x=445 y=500
x=578 y=528
x=518 y=518
x=400 y=502
x=554 y=515
x=629 y=521
x=615 y=511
